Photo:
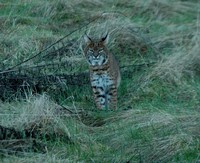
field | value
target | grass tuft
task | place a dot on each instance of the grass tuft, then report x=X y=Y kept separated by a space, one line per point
x=157 y=45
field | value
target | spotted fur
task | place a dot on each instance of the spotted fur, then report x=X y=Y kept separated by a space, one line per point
x=104 y=72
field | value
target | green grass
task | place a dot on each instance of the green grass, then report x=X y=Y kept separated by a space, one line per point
x=158 y=119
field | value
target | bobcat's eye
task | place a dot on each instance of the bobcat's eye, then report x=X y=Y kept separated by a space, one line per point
x=91 y=51
x=101 y=51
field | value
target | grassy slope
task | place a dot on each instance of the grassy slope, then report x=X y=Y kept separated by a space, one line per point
x=158 y=118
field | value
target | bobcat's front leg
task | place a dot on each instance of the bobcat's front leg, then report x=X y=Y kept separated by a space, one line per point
x=99 y=97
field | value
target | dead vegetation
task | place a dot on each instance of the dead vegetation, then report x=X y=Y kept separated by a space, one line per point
x=157 y=45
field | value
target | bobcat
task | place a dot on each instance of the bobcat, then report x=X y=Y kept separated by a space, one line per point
x=104 y=72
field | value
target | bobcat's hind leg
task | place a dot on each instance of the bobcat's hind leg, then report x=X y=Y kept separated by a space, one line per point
x=112 y=98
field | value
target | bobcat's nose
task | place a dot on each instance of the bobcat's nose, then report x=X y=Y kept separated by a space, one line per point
x=96 y=57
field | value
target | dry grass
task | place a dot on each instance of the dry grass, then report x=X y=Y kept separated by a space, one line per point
x=184 y=60
x=161 y=119
x=167 y=135
x=36 y=118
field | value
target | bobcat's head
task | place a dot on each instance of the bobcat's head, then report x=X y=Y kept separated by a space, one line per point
x=95 y=52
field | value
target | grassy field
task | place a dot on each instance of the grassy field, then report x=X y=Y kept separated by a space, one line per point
x=157 y=45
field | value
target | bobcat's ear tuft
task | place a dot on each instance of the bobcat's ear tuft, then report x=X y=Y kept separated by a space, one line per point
x=87 y=39
x=105 y=39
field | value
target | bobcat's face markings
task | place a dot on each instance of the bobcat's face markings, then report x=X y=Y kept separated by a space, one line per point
x=104 y=72
x=96 y=58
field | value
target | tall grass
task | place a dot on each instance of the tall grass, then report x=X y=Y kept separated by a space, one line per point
x=158 y=118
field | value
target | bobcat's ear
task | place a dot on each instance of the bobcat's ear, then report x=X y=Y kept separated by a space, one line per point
x=87 y=39
x=105 y=38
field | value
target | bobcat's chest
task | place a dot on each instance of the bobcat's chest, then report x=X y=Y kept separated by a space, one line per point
x=103 y=81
